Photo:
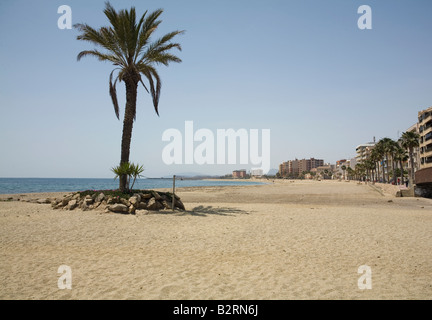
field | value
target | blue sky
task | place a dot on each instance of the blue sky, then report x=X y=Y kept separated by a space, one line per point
x=302 y=69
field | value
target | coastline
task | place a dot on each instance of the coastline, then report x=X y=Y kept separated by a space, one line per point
x=280 y=241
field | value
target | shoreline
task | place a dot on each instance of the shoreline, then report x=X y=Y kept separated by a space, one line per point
x=386 y=189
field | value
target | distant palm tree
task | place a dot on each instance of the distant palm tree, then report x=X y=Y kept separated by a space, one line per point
x=410 y=140
x=389 y=147
x=378 y=154
x=343 y=169
x=401 y=156
x=376 y=157
x=127 y=44
x=350 y=173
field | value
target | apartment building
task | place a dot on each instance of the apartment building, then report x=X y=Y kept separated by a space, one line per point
x=424 y=174
x=363 y=151
x=239 y=174
x=296 y=167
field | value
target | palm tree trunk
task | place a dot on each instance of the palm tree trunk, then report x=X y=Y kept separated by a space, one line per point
x=411 y=181
x=387 y=167
x=402 y=171
x=378 y=171
x=131 y=97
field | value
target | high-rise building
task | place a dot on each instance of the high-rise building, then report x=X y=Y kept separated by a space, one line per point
x=424 y=174
x=364 y=151
x=296 y=167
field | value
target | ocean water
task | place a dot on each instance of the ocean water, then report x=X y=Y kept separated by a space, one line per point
x=32 y=185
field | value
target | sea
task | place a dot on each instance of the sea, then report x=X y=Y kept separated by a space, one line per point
x=36 y=185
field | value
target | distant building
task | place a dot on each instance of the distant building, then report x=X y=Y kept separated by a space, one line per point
x=364 y=151
x=256 y=172
x=325 y=171
x=342 y=162
x=424 y=174
x=352 y=163
x=293 y=168
x=239 y=174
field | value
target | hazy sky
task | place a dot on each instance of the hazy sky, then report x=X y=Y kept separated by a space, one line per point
x=302 y=69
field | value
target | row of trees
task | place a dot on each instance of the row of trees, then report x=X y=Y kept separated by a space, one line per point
x=385 y=153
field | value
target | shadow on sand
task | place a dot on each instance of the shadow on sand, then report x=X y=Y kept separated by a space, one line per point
x=202 y=211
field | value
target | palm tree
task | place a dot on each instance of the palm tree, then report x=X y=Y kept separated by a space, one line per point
x=378 y=154
x=389 y=147
x=401 y=156
x=127 y=44
x=350 y=173
x=343 y=169
x=360 y=171
x=409 y=141
x=376 y=157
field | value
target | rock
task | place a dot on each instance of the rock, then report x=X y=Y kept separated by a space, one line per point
x=156 y=195
x=131 y=209
x=88 y=201
x=142 y=206
x=42 y=201
x=110 y=200
x=167 y=204
x=141 y=212
x=59 y=206
x=179 y=204
x=146 y=196
x=100 y=197
x=134 y=200
x=125 y=202
x=96 y=204
x=138 y=196
x=119 y=208
x=72 y=204
x=154 y=205
x=54 y=203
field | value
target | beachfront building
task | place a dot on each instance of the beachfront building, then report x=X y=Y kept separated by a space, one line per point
x=424 y=175
x=239 y=174
x=352 y=163
x=293 y=168
x=257 y=173
x=283 y=169
x=324 y=171
x=305 y=165
x=364 y=151
x=289 y=169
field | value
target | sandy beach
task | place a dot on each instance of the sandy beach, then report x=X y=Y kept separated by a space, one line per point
x=285 y=240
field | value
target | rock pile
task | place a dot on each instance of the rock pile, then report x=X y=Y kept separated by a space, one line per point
x=146 y=200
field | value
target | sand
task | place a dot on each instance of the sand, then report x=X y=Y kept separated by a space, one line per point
x=282 y=241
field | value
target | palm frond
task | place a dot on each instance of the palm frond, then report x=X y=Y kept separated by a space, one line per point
x=150 y=72
x=149 y=25
x=101 y=56
x=113 y=94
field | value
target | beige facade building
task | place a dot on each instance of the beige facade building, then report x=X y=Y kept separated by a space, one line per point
x=363 y=151
x=425 y=131
x=295 y=167
x=423 y=176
